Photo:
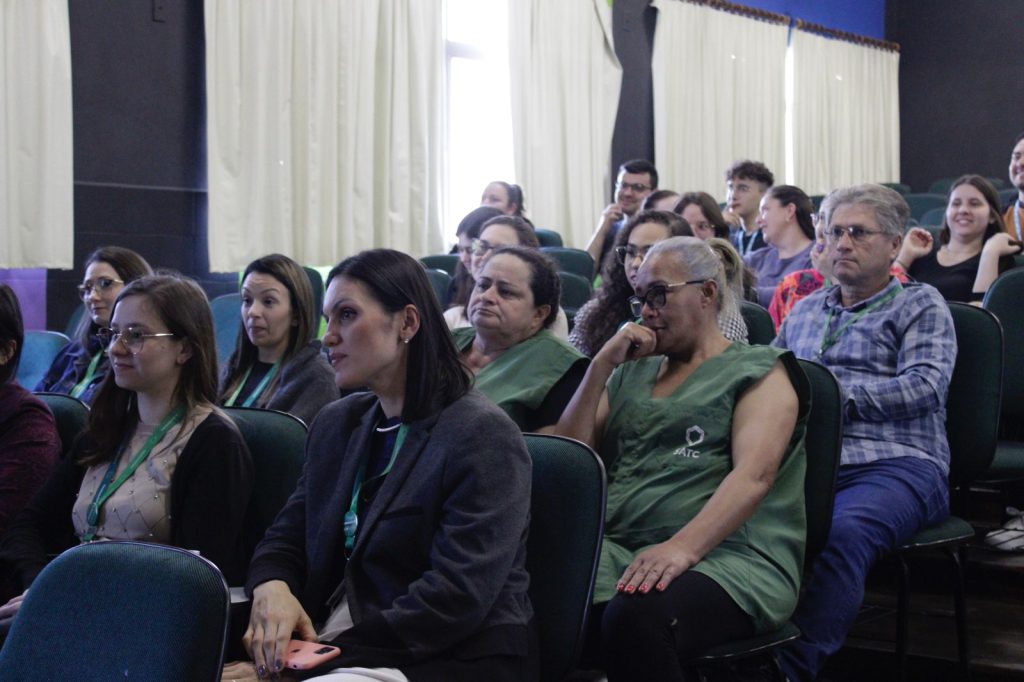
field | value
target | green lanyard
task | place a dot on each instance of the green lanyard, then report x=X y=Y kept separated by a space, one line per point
x=80 y=387
x=262 y=386
x=829 y=340
x=352 y=515
x=109 y=486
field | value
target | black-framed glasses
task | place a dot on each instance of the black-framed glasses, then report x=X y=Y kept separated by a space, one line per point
x=635 y=186
x=857 y=233
x=101 y=285
x=656 y=297
x=624 y=254
x=132 y=339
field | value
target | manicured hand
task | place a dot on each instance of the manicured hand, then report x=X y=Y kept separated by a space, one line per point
x=276 y=615
x=655 y=568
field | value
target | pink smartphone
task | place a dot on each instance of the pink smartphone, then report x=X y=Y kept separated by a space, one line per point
x=305 y=655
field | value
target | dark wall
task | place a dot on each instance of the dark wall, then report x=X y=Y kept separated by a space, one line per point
x=961 y=86
x=139 y=139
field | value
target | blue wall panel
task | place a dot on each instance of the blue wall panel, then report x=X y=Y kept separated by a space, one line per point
x=864 y=17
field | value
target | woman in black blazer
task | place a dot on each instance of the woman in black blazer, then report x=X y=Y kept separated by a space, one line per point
x=404 y=543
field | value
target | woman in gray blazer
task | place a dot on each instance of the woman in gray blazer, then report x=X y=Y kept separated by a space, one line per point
x=404 y=543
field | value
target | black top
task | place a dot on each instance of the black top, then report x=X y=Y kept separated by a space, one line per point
x=956 y=282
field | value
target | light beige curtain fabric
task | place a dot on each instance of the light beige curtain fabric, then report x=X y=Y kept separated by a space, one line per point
x=565 y=94
x=846 y=123
x=36 y=169
x=719 y=94
x=324 y=128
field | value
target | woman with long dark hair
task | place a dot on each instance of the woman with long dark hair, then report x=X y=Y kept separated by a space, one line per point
x=277 y=363
x=404 y=543
x=81 y=365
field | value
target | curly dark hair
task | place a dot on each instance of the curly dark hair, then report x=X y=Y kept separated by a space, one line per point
x=600 y=317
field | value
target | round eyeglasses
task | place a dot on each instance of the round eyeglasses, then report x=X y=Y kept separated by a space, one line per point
x=102 y=284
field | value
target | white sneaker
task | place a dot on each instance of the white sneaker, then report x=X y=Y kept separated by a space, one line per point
x=1010 y=536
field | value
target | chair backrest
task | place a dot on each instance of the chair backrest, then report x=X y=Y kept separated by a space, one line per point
x=1004 y=299
x=277 y=443
x=70 y=414
x=37 y=354
x=548 y=237
x=760 y=328
x=227 y=316
x=316 y=281
x=576 y=261
x=576 y=291
x=941 y=186
x=566 y=526
x=1007 y=195
x=441 y=261
x=121 y=610
x=933 y=216
x=919 y=203
x=972 y=409
x=76 y=317
x=898 y=186
x=824 y=444
x=440 y=281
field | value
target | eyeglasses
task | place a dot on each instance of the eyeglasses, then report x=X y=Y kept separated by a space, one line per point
x=624 y=254
x=480 y=247
x=655 y=297
x=857 y=233
x=635 y=186
x=101 y=285
x=132 y=339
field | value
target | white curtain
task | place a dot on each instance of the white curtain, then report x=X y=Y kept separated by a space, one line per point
x=36 y=172
x=324 y=128
x=565 y=94
x=719 y=94
x=845 y=117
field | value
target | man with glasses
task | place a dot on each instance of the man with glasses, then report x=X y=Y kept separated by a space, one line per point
x=892 y=348
x=637 y=179
x=745 y=185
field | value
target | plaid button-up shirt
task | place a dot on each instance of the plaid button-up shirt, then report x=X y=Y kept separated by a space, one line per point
x=894 y=363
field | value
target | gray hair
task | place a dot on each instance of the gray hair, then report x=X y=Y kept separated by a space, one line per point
x=701 y=262
x=891 y=209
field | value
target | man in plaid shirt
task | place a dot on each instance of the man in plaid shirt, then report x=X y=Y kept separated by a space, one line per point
x=892 y=348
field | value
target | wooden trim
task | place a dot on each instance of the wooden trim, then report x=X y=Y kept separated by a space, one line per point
x=854 y=38
x=743 y=10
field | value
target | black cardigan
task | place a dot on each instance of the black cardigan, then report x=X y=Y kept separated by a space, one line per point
x=210 y=490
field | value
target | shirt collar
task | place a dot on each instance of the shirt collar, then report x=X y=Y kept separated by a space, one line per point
x=834 y=297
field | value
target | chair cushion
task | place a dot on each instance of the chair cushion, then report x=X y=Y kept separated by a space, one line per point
x=953 y=530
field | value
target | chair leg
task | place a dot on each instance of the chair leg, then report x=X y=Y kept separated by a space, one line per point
x=959 y=558
x=902 y=618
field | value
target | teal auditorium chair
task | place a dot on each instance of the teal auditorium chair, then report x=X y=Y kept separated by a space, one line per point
x=972 y=429
x=440 y=281
x=277 y=443
x=120 y=610
x=441 y=261
x=576 y=291
x=227 y=316
x=566 y=527
x=548 y=237
x=898 y=186
x=934 y=216
x=576 y=261
x=921 y=203
x=37 y=354
x=760 y=327
x=70 y=415
x=824 y=442
x=1004 y=299
x=941 y=186
x=76 y=317
x=1007 y=195
x=316 y=282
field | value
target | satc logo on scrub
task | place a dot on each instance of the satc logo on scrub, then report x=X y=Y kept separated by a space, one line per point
x=694 y=437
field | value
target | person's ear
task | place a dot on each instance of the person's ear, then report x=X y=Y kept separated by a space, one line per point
x=410 y=323
x=185 y=352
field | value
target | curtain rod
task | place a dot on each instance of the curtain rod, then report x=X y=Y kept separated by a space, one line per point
x=827 y=32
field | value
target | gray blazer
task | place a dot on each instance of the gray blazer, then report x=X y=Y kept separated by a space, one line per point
x=438 y=568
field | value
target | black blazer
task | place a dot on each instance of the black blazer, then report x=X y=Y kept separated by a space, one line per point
x=438 y=569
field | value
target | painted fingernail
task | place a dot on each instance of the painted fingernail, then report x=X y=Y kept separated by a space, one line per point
x=261 y=670
x=620 y=586
x=631 y=589
x=645 y=588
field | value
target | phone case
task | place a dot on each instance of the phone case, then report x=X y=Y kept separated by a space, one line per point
x=305 y=655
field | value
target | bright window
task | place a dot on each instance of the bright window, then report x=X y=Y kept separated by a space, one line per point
x=479 y=112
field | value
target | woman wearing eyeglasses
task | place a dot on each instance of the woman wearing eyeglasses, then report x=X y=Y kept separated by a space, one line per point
x=702 y=212
x=157 y=461
x=81 y=365
x=703 y=439
x=600 y=317
x=277 y=363
x=496 y=233
x=404 y=543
